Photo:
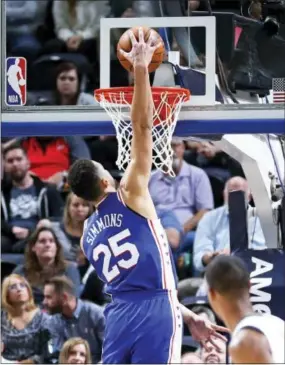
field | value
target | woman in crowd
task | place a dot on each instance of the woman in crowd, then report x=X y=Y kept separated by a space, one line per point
x=75 y=351
x=43 y=260
x=24 y=332
x=77 y=25
x=67 y=88
x=70 y=230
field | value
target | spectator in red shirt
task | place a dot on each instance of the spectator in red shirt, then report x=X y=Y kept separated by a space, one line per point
x=51 y=157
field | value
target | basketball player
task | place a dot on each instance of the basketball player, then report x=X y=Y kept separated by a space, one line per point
x=127 y=245
x=256 y=338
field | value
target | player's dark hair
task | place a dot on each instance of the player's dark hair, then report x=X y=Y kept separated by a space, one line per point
x=227 y=275
x=14 y=146
x=62 y=284
x=84 y=180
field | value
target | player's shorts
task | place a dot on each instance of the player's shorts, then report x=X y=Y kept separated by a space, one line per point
x=143 y=328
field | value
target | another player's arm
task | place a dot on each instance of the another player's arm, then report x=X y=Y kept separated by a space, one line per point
x=250 y=347
x=137 y=175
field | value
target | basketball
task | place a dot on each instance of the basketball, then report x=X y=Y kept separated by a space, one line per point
x=126 y=45
x=22 y=82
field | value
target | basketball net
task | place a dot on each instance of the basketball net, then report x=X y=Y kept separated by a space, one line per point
x=167 y=105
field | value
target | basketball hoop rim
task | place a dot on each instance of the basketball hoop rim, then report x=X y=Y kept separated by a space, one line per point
x=128 y=92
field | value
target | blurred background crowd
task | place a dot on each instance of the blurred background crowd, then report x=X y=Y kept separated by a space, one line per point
x=52 y=300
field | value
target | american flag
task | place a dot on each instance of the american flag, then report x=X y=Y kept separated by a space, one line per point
x=278 y=86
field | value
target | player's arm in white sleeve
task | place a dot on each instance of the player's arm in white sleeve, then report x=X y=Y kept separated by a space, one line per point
x=136 y=178
x=250 y=347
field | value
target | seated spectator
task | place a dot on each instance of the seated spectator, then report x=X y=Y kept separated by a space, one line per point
x=75 y=351
x=25 y=200
x=213 y=234
x=77 y=25
x=24 y=332
x=67 y=88
x=210 y=354
x=188 y=195
x=51 y=157
x=87 y=318
x=22 y=19
x=214 y=162
x=70 y=229
x=43 y=260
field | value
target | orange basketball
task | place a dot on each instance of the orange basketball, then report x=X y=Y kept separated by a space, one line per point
x=126 y=45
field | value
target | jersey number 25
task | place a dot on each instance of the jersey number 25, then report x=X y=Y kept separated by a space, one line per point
x=115 y=249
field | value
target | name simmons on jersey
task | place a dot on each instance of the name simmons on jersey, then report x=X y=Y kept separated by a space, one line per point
x=107 y=221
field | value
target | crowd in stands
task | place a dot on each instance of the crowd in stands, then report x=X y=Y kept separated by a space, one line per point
x=48 y=286
x=52 y=301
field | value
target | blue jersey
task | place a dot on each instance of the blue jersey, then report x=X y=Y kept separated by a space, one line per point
x=128 y=251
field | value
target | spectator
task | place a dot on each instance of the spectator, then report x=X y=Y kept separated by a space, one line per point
x=73 y=317
x=210 y=354
x=43 y=260
x=25 y=200
x=23 y=18
x=51 y=157
x=212 y=235
x=75 y=351
x=70 y=230
x=188 y=195
x=24 y=330
x=77 y=25
x=67 y=88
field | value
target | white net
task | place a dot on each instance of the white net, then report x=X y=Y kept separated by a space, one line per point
x=167 y=105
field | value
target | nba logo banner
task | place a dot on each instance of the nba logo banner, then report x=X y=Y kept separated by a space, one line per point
x=16 y=74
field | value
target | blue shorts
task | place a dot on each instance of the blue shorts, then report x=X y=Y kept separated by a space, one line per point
x=143 y=328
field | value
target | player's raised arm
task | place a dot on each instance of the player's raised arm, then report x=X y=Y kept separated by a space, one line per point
x=138 y=172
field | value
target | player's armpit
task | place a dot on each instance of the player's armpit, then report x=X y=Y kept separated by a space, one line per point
x=250 y=347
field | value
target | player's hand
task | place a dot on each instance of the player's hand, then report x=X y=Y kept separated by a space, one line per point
x=141 y=52
x=204 y=331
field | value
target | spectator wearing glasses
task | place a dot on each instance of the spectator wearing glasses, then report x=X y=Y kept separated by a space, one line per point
x=24 y=332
